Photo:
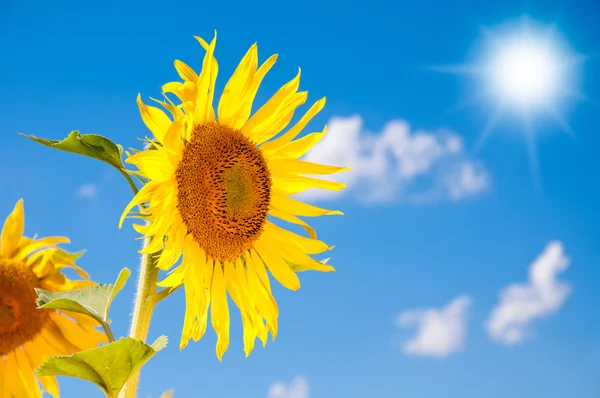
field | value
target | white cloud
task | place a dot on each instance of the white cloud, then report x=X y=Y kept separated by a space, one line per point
x=467 y=179
x=298 y=388
x=87 y=191
x=440 y=332
x=521 y=304
x=397 y=163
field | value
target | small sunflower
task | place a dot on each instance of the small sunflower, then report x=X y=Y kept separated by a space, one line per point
x=28 y=336
x=213 y=182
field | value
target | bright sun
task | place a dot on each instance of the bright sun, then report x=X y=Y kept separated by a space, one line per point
x=525 y=72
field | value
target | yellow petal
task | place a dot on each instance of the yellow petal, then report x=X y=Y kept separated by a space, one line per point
x=160 y=227
x=25 y=373
x=9 y=376
x=220 y=312
x=278 y=120
x=293 y=206
x=173 y=143
x=261 y=331
x=301 y=260
x=234 y=287
x=205 y=277
x=154 y=118
x=153 y=164
x=83 y=320
x=291 y=184
x=185 y=91
x=310 y=246
x=13 y=229
x=28 y=246
x=299 y=147
x=52 y=336
x=206 y=85
x=37 y=354
x=143 y=196
x=261 y=294
x=189 y=317
x=50 y=385
x=241 y=80
x=82 y=338
x=260 y=269
x=193 y=292
x=185 y=71
x=39 y=262
x=174 y=244
x=175 y=278
x=247 y=97
x=4 y=390
x=241 y=299
x=296 y=129
x=264 y=116
x=294 y=220
x=295 y=166
x=252 y=308
x=170 y=106
x=278 y=267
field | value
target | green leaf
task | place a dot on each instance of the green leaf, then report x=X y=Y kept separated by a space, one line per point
x=109 y=366
x=92 y=301
x=119 y=284
x=91 y=145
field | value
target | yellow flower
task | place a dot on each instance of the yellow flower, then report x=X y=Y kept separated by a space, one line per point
x=29 y=336
x=213 y=182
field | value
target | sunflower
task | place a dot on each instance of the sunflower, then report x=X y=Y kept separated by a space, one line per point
x=213 y=183
x=28 y=336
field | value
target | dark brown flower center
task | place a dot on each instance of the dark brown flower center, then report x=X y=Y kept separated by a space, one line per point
x=224 y=190
x=20 y=320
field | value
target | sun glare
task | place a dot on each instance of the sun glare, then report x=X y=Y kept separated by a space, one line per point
x=525 y=72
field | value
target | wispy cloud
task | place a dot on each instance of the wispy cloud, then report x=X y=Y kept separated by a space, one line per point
x=440 y=331
x=297 y=388
x=87 y=191
x=521 y=304
x=466 y=179
x=397 y=163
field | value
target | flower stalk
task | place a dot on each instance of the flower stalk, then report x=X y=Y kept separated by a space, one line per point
x=142 y=311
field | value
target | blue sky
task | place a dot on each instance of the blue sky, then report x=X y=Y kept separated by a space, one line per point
x=450 y=223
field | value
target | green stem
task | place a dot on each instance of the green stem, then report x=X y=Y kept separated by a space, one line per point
x=108 y=332
x=130 y=181
x=142 y=311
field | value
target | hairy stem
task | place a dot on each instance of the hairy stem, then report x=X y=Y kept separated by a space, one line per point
x=142 y=311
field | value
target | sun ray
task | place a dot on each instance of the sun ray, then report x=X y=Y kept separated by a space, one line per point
x=573 y=93
x=529 y=71
x=463 y=69
x=469 y=102
x=531 y=149
x=559 y=120
x=489 y=128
